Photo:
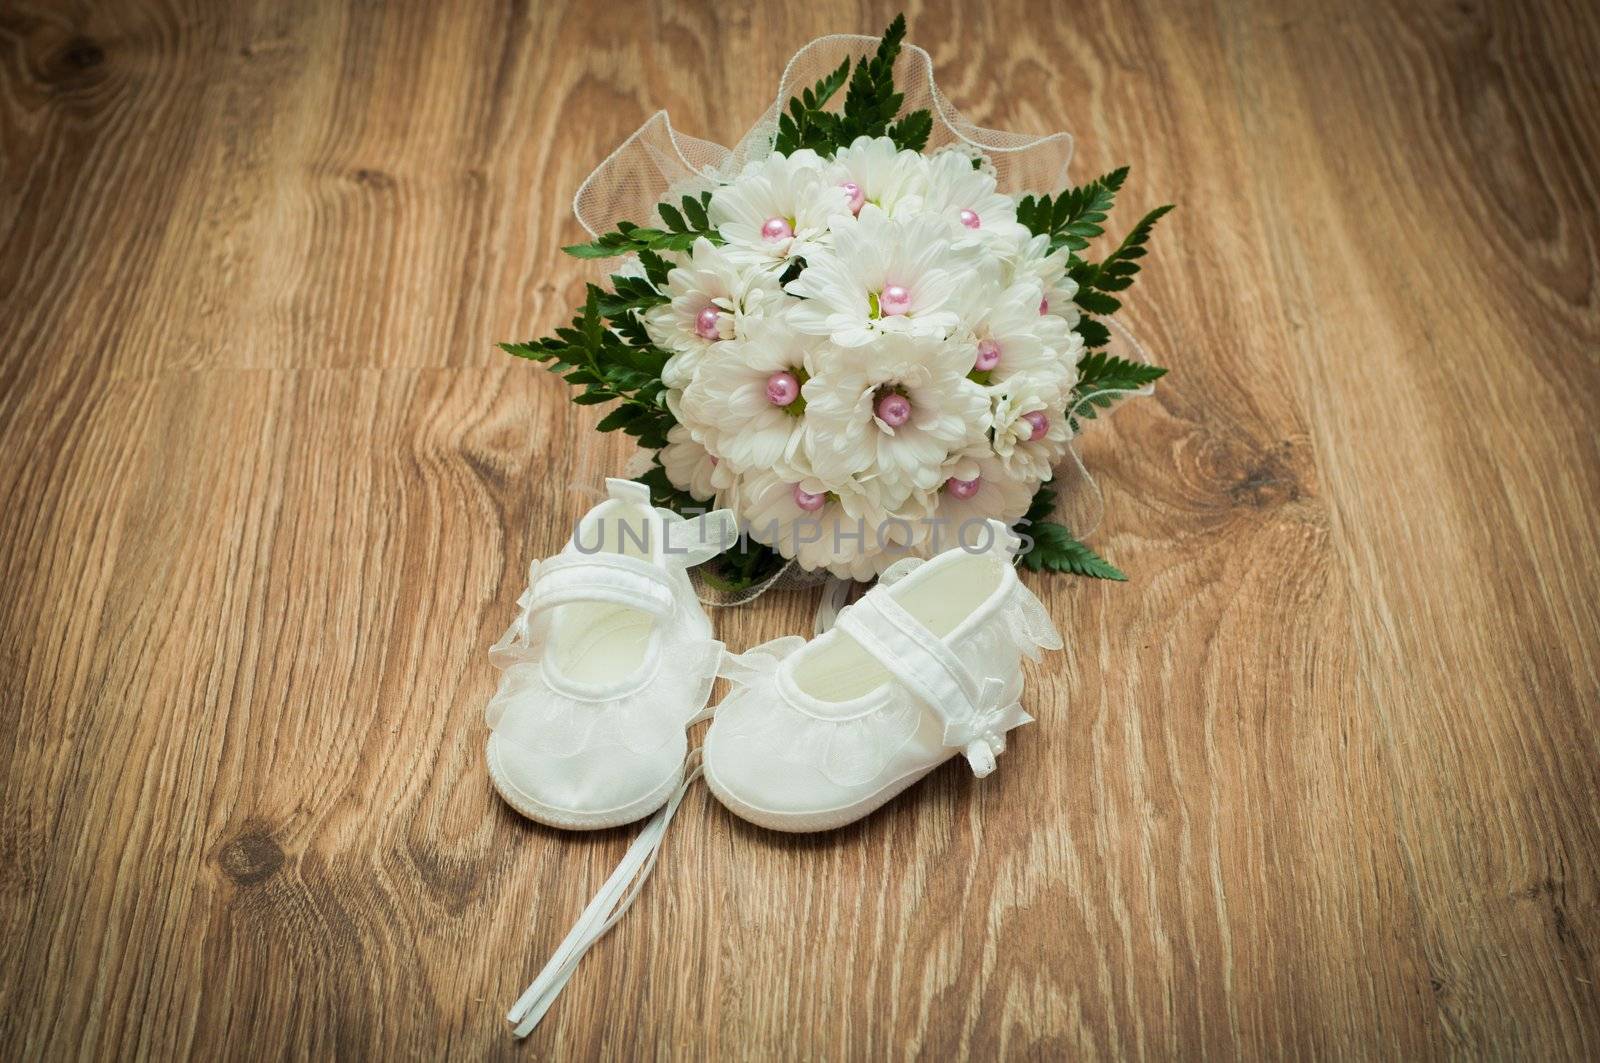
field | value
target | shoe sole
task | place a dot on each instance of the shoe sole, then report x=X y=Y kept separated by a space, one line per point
x=566 y=819
x=810 y=822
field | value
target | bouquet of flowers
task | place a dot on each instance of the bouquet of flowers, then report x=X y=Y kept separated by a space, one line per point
x=869 y=326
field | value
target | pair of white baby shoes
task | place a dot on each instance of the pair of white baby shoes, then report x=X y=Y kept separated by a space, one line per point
x=612 y=658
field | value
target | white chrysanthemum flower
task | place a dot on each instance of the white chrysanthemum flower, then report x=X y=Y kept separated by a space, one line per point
x=1031 y=430
x=841 y=528
x=777 y=207
x=1010 y=336
x=745 y=401
x=977 y=488
x=872 y=170
x=884 y=276
x=968 y=200
x=711 y=296
x=1033 y=260
x=892 y=411
x=693 y=468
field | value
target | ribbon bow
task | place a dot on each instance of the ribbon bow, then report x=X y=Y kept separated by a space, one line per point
x=982 y=734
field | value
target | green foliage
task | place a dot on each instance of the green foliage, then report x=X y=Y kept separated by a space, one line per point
x=807 y=124
x=871 y=102
x=911 y=132
x=683 y=228
x=631 y=294
x=871 y=105
x=1094 y=333
x=1054 y=549
x=1074 y=218
x=1102 y=378
x=742 y=567
x=607 y=367
x=1099 y=371
x=1116 y=272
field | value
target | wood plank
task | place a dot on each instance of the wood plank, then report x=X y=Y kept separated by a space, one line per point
x=1320 y=781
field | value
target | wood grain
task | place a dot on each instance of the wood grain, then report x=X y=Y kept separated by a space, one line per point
x=1320 y=782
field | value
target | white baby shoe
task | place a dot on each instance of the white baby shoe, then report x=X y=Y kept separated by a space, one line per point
x=611 y=658
x=926 y=665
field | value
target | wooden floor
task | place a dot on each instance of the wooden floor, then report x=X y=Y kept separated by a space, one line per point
x=1322 y=780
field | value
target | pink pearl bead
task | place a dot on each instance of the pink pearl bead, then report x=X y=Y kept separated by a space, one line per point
x=858 y=198
x=808 y=501
x=894 y=409
x=707 y=323
x=776 y=229
x=988 y=356
x=894 y=300
x=782 y=388
x=1040 y=423
x=969 y=218
x=1044 y=306
x=963 y=489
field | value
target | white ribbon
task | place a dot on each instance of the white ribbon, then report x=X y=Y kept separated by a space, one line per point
x=981 y=736
x=608 y=906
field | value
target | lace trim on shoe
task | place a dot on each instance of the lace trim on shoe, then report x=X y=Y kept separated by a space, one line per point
x=848 y=751
x=533 y=714
x=854 y=750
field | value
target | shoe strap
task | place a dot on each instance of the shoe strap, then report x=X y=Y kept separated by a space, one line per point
x=696 y=540
x=605 y=577
x=690 y=541
x=973 y=709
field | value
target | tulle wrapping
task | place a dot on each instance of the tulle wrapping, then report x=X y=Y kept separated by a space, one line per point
x=660 y=163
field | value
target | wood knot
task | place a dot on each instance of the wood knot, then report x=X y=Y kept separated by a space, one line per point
x=74 y=65
x=1545 y=887
x=251 y=857
x=80 y=53
x=1268 y=480
x=373 y=178
x=492 y=469
x=453 y=880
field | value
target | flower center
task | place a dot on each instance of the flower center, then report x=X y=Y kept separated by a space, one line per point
x=783 y=387
x=1040 y=425
x=894 y=300
x=1044 y=306
x=969 y=217
x=893 y=409
x=988 y=356
x=963 y=489
x=776 y=228
x=857 y=198
x=708 y=323
x=808 y=501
